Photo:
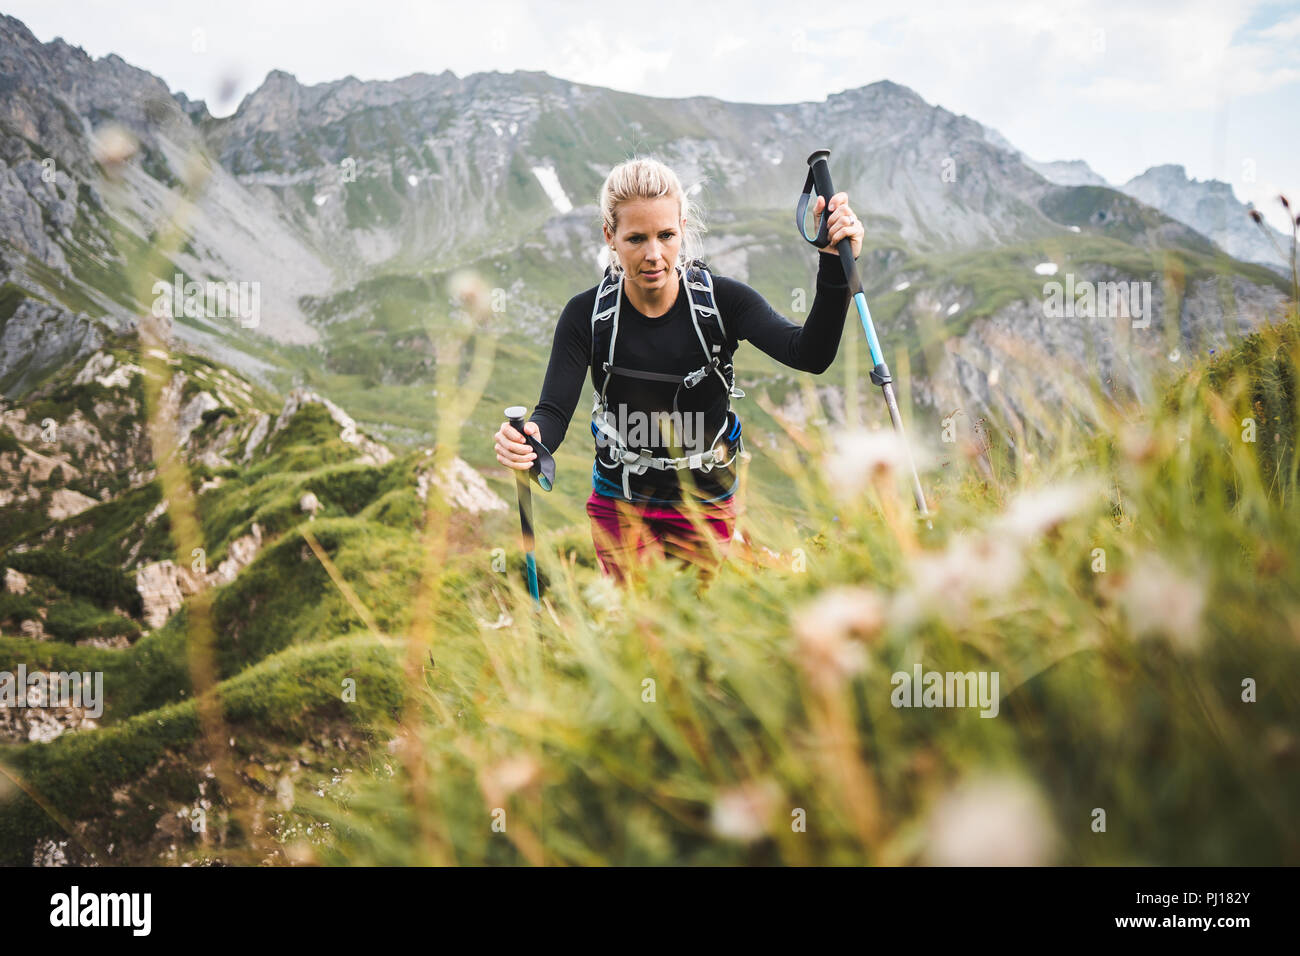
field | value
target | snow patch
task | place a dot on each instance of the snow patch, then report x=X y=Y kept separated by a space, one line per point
x=551 y=184
x=1046 y=268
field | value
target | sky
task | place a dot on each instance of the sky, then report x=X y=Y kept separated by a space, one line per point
x=1212 y=85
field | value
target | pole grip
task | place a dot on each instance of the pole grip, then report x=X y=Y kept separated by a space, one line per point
x=820 y=170
x=543 y=470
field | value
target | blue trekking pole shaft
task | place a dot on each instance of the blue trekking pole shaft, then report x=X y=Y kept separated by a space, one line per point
x=515 y=415
x=819 y=176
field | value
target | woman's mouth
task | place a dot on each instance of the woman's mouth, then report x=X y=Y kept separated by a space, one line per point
x=653 y=275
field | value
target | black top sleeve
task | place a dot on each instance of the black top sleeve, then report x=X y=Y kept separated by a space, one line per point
x=810 y=347
x=565 y=373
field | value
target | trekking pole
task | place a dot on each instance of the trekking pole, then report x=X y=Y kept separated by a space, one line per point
x=543 y=472
x=819 y=177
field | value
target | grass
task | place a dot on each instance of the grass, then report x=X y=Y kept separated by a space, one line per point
x=79 y=619
x=293 y=696
x=104 y=584
x=1134 y=587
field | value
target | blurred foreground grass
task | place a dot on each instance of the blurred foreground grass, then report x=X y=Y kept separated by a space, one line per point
x=1134 y=584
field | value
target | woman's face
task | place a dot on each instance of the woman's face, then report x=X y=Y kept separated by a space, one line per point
x=648 y=240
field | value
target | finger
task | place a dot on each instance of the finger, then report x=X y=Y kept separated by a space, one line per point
x=514 y=461
x=514 y=448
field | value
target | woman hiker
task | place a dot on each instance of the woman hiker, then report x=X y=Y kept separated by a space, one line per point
x=657 y=334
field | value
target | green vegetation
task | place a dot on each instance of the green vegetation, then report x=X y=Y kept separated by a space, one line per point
x=78 y=619
x=289 y=698
x=1128 y=585
x=16 y=608
x=104 y=584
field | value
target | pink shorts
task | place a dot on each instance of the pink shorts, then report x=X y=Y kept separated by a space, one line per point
x=626 y=533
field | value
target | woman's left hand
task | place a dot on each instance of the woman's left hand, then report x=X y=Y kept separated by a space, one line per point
x=843 y=224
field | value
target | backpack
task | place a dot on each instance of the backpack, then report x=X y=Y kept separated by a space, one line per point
x=712 y=336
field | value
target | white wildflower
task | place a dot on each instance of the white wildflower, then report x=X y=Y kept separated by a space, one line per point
x=862 y=457
x=993 y=820
x=1158 y=599
x=745 y=812
x=947 y=583
x=510 y=775
x=1034 y=513
x=831 y=629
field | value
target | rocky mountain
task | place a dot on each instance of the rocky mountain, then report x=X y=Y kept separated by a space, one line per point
x=350 y=206
x=77 y=461
x=1069 y=172
x=1209 y=207
x=76 y=217
x=349 y=203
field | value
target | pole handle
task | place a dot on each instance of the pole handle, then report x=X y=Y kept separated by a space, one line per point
x=543 y=470
x=819 y=176
x=813 y=187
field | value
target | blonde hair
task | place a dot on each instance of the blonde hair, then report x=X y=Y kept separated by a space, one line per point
x=645 y=178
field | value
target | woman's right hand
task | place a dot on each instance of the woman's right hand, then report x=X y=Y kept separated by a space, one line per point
x=511 y=448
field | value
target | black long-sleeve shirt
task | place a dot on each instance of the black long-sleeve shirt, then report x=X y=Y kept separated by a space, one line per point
x=668 y=344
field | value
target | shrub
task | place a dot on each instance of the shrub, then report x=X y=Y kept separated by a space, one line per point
x=76 y=619
x=104 y=584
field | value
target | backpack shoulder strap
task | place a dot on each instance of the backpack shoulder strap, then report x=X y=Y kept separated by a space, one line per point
x=709 y=325
x=604 y=315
